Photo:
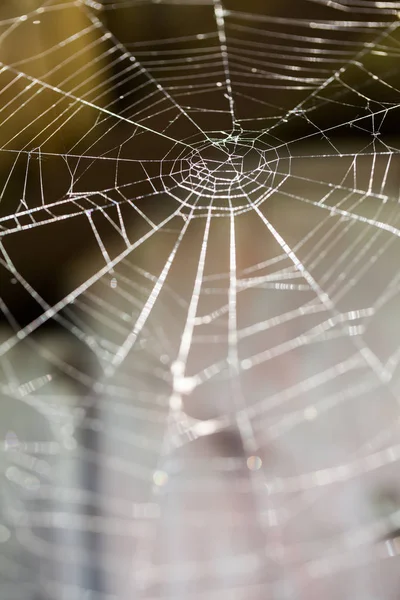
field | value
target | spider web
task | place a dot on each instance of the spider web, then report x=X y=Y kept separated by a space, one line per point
x=208 y=403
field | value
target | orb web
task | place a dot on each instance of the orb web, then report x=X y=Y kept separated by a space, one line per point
x=199 y=341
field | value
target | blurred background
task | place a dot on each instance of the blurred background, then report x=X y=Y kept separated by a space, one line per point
x=199 y=295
